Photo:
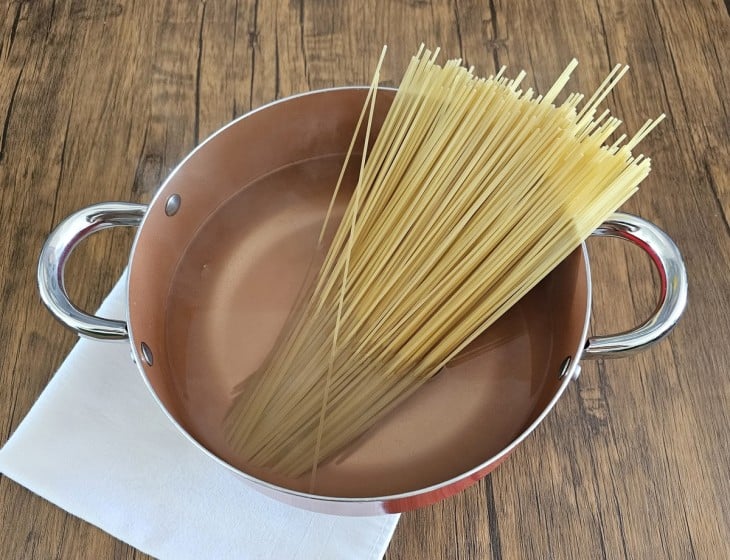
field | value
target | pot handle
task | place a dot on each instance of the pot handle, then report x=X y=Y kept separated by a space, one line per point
x=672 y=292
x=54 y=255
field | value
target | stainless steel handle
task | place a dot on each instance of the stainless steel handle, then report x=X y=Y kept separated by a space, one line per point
x=58 y=247
x=673 y=287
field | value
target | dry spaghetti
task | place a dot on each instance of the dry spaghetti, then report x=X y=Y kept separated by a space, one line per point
x=474 y=190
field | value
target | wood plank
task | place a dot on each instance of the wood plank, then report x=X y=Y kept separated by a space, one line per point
x=99 y=100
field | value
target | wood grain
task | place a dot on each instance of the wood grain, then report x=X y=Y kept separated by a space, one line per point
x=99 y=100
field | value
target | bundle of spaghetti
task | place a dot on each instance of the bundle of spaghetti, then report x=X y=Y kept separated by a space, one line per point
x=473 y=191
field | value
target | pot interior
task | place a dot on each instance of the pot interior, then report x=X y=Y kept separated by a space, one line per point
x=211 y=287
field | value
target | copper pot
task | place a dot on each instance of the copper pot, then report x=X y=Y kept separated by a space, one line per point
x=216 y=264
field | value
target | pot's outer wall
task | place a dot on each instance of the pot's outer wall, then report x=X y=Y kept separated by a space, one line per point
x=293 y=130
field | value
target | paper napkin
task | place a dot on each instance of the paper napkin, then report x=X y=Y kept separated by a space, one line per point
x=97 y=445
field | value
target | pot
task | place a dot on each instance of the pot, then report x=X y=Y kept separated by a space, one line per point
x=216 y=264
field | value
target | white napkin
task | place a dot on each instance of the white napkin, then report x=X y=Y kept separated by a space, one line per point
x=97 y=445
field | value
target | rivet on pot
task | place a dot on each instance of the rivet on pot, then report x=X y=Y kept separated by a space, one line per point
x=173 y=204
x=564 y=367
x=147 y=354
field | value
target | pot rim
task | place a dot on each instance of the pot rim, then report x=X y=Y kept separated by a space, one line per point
x=567 y=375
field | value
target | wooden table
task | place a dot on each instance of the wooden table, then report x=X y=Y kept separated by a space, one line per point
x=100 y=100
